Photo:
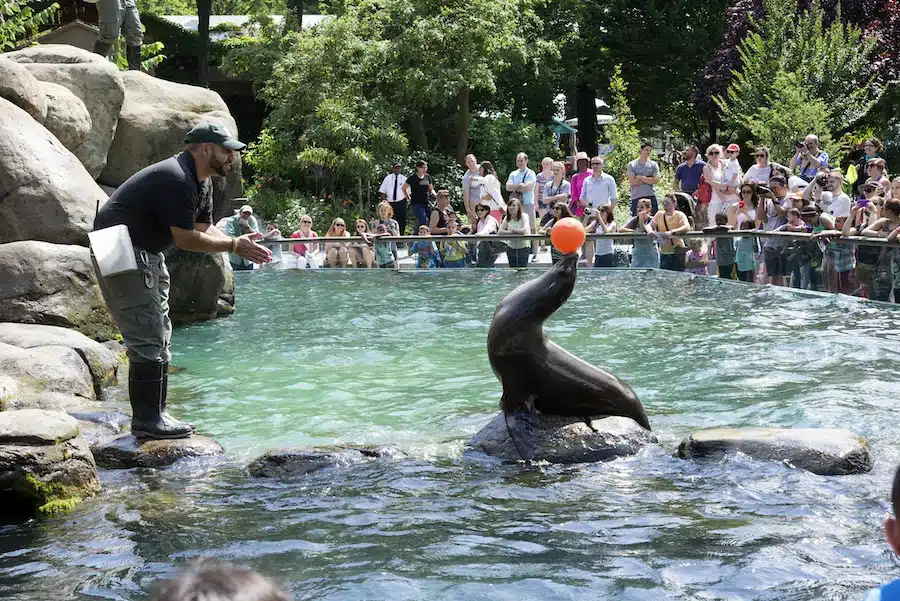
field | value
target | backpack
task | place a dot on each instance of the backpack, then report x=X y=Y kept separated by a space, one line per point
x=704 y=191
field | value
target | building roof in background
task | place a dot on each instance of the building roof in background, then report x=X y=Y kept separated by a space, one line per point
x=191 y=22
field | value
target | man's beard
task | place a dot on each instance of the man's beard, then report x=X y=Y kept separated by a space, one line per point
x=221 y=168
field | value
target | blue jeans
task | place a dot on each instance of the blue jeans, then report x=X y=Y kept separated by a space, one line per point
x=457 y=263
x=604 y=260
x=420 y=212
x=802 y=275
x=518 y=257
x=672 y=262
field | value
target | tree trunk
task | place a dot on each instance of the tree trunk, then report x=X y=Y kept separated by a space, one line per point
x=713 y=126
x=586 y=111
x=417 y=132
x=295 y=10
x=204 y=8
x=462 y=124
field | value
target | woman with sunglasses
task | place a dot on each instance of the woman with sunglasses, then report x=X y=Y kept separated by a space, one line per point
x=516 y=222
x=871 y=150
x=761 y=171
x=305 y=255
x=486 y=224
x=337 y=254
x=362 y=254
x=715 y=175
x=560 y=211
x=745 y=209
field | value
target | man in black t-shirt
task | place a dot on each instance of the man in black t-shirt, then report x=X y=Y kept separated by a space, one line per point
x=169 y=202
x=419 y=188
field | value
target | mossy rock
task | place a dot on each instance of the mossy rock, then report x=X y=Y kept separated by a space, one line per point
x=46 y=467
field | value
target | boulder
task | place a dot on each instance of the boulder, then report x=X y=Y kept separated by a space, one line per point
x=126 y=451
x=21 y=88
x=567 y=439
x=63 y=54
x=101 y=361
x=67 y=117
x=198 y=279
x=45 y=466
x=46 y=193
x=9 y=392
x=291 y=463
x=826 y=451
x=47 y=377
x=97 y=83
x=52 y=284
x=155 y=117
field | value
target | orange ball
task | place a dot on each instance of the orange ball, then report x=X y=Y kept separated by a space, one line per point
x=567 y=235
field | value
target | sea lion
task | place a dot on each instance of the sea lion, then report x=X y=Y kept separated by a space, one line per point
x=540 y=376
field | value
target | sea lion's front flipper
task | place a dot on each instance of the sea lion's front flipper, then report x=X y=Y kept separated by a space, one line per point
x=522 y=424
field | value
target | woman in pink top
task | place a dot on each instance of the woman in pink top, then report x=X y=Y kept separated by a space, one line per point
x=304 y=255
x=582 y=166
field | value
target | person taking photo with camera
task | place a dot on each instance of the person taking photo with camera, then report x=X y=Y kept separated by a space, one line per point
x=808 y=157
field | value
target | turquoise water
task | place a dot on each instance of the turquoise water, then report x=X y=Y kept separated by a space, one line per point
x=399 y=358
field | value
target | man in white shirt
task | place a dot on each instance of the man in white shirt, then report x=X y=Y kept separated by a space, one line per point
x=391 y=190
x=833 y=200
x=597 y=190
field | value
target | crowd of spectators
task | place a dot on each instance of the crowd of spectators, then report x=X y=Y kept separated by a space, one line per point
x=715 y=194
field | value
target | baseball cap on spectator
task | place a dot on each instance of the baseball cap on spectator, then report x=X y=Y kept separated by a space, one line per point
x=246 y=209
x=733 y=148
x=443 y=192
x=397 y=164
x=214 y=134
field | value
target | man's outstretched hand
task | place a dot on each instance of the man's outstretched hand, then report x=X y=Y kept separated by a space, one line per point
x=250 y=250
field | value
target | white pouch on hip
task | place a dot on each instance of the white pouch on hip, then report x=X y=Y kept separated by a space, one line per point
x=113 y=250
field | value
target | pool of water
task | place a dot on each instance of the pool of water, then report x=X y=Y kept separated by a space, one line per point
x=383 y=357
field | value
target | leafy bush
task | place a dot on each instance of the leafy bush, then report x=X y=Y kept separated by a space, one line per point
x=622 y=134
x=19 y=22
x=499 y=139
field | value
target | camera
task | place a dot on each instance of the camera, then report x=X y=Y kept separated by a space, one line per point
x=820 y=179
x=763 y=191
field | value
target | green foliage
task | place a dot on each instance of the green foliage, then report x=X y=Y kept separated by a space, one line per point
x=18 y=21
x=219 y=7
x=622 y=133
x=500 y=139
x=826 y=65
x=151 y=55
x=788 y=114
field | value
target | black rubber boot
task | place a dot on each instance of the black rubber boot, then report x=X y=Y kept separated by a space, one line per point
x=102 y=48
x=168 y=417
x=145 y=391
x=133 y=56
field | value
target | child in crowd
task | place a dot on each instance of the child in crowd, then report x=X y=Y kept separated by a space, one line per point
x=745 y=256
x=453 y=251
x=696 y=260
x=725 y=251
x=798 y=261
x=602 y=221
x=273 y=233
x=385 y=252
x=425 y=252
x=838 y=265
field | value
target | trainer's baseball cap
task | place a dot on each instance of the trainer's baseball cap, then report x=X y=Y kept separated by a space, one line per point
x=733 y=148
x=214 y=134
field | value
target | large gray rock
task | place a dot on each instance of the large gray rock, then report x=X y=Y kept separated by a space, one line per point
x=827 y=452
x=52 y=284
x=67 y=117
x=97 y=83
x=291 y=463
x=45 y=192
x=567 y=439
x=198 y=280
x=47 y=377
x=126 y=451
x=45 y=466
x=21 y=88
x=63 y=54
x=101 y=361
x=155 y=117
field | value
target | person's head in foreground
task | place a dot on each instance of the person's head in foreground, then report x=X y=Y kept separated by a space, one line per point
x=210 y=581
x=721 y=219
x=892 y=534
